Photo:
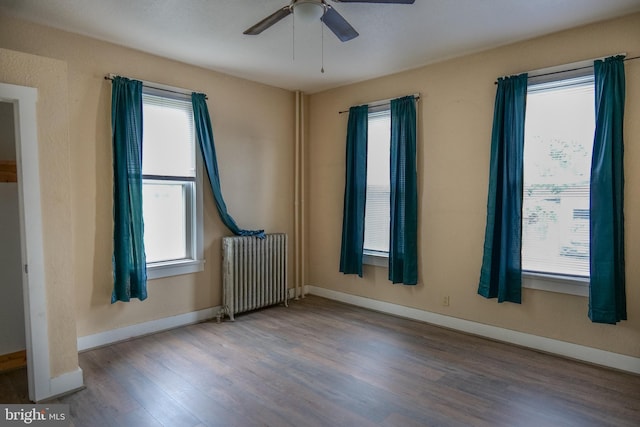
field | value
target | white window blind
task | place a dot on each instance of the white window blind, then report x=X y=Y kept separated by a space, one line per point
x=377 y=211
x=559 y=131
x=169 y=137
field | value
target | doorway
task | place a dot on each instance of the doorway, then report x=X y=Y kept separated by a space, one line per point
x=22 y=105
x=12 y=326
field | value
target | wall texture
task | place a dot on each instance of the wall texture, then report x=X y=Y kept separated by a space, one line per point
x=454 y=130
x=49 y=77
x=253 y=126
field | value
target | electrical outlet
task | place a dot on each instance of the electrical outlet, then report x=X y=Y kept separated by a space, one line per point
x=445 y=300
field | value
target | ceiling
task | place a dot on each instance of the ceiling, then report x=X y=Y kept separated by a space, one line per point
x=209 y=33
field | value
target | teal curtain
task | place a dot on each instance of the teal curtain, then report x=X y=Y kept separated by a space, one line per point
x=403 y=234
x=129 y=262
x=501 y=273
x=204 y=134
x=607 y=300
x=355 y=191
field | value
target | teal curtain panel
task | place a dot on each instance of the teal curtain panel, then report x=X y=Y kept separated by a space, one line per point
x=204 y=134
x=501 y=273
x=607 y=300
x=403 y=234
x=129 y=263
x=355 y=191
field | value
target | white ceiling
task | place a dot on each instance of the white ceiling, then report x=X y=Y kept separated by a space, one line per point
x=208 y=33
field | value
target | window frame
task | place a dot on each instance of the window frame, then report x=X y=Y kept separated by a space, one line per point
x=551 y=282
x=377 y=258
x=194 y=262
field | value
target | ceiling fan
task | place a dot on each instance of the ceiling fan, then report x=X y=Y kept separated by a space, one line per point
x=319 y=9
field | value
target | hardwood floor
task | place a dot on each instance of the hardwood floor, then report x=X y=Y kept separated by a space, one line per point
x=323 y=363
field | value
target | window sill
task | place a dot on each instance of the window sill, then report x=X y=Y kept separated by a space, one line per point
x=556 y=283
x=377 y=258
x=158 y=270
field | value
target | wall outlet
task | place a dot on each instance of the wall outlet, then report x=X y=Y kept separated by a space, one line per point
x=445 y=300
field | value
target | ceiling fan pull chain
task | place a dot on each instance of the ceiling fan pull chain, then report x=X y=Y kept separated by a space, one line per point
x=322 y=47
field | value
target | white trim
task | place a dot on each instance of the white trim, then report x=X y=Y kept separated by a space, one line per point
x=100 y=339
x=560 y=72
x=160 y=89
x=66 y=383
x=379 y=259
x=564 y=71
x=33 y=276
x=174 y=268
x=384 y=102
x=548 y=345
x=555 y=283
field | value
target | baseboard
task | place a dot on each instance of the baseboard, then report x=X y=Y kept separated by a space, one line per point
x=65 y=384
x=115 y=335
x=100 y=339
x=11 y=361
x=547 y=345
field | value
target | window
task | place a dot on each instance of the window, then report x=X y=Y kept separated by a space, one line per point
x=172 y=193
x=559 y=131
x=377 y=210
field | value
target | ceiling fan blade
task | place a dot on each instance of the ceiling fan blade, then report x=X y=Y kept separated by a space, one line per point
x=377 y=1
x=268 y=21
x=340 y=27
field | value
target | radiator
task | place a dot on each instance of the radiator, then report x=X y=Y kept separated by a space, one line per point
x=254 y=272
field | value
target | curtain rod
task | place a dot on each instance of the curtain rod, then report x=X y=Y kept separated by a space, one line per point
x=157 y=87
x=382 y=102
x=575 y=69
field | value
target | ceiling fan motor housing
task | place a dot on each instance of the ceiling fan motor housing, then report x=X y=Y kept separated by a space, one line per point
x=308 y=10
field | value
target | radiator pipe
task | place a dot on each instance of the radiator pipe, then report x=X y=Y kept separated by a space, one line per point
x=296 y=201
x=299 y=190
x=303 y=140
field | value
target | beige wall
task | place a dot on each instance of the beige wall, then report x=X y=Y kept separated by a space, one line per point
x=254 y=130
x=49 y=76
x=253 y=127
x=454 y=121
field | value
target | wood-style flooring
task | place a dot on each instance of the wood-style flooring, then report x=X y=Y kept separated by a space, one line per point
x=323 y=363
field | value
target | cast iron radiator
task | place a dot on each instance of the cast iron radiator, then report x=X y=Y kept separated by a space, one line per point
x=254 y=272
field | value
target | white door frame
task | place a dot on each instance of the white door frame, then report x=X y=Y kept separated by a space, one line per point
x=33 y=276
